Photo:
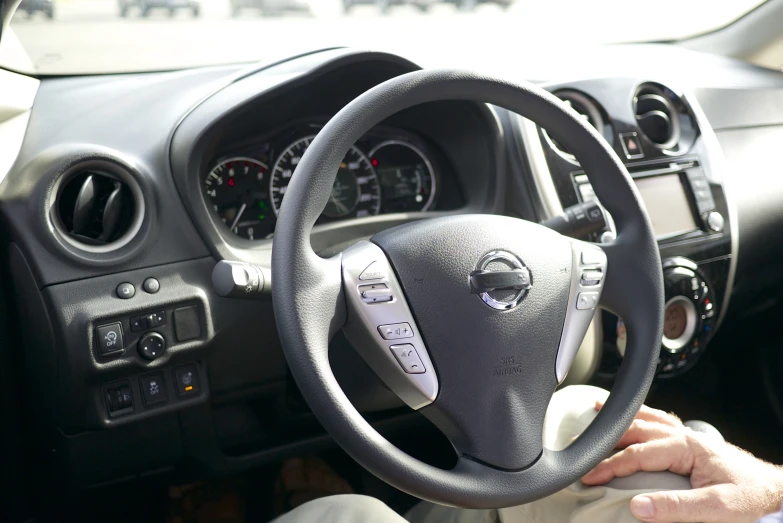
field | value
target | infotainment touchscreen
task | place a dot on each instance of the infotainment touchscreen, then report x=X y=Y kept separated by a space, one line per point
x=667 y=204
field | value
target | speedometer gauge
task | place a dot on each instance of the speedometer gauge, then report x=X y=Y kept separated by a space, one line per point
x=238 y=194
x=355 y=193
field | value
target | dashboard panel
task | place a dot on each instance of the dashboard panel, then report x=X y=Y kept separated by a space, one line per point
x=181 y=126
x=389 y=170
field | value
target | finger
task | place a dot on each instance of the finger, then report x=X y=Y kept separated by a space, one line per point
x=649 y=414
x=681 y=506
x=672 y=453
x=642 y=431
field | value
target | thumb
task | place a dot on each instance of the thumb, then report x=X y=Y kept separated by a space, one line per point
x=680 y=506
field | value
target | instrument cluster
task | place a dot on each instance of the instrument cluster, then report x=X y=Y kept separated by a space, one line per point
x=387 y=171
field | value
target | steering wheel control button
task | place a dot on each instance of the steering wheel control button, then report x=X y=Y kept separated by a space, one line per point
x=632 y=146
x=396 y=331
x=126 y=291
x=109 y=339
x=715 y=221
x=237 y=280
x=371 y=325
x=151 y=285
x=153 y=389
x=374 y=271
x=119 y=399
x=186 y=381
x=593 y=257
x=587 y=301
x=592 y=277
x=151 y=346
x=408 y=359
x=187 y=325
x=376 y=293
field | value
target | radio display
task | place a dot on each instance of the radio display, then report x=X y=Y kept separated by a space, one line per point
x=667 y=204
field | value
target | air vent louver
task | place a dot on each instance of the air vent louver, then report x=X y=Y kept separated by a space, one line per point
x=95 y=208
x=657 y=116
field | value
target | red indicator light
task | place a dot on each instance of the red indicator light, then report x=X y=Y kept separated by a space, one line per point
x=231 y=182
x=374 y=162
x=707 y=301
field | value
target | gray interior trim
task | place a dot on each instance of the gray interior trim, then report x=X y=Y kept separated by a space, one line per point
x=542 y=178
x=18 y=95
x=717 y=167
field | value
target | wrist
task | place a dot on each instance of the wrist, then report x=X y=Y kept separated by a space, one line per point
x=775 y=491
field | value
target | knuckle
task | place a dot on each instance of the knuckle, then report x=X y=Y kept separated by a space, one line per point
x=667 y=503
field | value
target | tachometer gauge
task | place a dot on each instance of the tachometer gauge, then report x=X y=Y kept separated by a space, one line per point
x=406 y=176
x=355 y=192
x=237 y=190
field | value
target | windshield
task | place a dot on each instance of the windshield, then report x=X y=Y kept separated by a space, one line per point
x=101 y=36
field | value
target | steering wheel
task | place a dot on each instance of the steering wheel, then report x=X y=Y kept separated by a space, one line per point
x=471 y=319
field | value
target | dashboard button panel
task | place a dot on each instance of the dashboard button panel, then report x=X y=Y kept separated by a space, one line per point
x=109 y=338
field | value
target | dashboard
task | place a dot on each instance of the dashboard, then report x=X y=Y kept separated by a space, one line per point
x=387 y=171
x=114 y=231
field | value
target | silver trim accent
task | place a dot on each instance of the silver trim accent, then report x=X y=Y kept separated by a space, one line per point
x=513 y=260
x=577 y=321
x=674 y=346
x=109 y=169
x=421 y=155
x=416 y=390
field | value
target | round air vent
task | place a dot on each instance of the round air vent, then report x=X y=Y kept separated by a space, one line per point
x=98 y=210
x=657 y=115
x=587 y=108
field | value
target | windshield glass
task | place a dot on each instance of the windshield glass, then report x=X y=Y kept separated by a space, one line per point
x=100 y=36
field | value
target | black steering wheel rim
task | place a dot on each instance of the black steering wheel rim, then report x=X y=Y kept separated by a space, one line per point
x=310 y=305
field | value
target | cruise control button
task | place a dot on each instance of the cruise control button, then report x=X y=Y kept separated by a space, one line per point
x=587 y=300
x=396 y=331
x=109 y=339
x=592 y=277
x=374 y=271
x=408 y=359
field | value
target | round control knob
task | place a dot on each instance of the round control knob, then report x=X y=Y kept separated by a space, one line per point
x=152 y=345
x=715 y=221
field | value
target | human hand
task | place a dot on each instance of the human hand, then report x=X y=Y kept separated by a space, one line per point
x=729 y=484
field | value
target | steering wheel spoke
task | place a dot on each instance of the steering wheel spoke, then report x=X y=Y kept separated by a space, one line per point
x=382 y=328
x=588 y=273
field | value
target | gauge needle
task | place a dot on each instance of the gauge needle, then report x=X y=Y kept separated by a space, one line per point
x=341 y=208
x=238 y=216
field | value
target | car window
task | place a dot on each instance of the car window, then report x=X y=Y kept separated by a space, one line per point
x=98 y=36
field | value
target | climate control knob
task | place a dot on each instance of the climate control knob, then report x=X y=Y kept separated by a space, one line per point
x=152 y=345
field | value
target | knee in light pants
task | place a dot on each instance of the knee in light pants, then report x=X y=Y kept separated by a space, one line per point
x=571 y=410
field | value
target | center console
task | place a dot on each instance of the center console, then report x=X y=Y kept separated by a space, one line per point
x=672 y=156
